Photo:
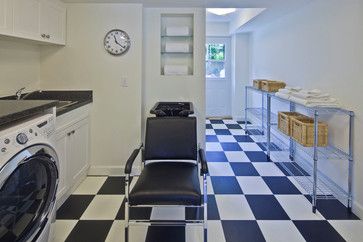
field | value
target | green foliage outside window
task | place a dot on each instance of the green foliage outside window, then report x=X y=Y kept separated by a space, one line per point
x=215 y=52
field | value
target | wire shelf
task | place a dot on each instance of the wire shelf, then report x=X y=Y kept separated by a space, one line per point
x=257 y=113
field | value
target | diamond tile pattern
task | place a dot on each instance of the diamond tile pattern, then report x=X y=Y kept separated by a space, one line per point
x=250 y=198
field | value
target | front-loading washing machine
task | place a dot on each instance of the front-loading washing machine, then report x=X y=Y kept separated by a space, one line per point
x=28 y=180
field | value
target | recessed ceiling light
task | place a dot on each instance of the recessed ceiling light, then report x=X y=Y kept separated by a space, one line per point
x=221 y=11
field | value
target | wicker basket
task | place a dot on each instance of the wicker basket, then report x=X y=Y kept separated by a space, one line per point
x=302 y=130
x=257 y=83
x=272 y=86
x=284 y=121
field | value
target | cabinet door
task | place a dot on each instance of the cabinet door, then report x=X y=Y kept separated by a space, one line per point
x=61 y=143
x=26 y=18
x=6 y=17
x=52 y=21
x=78 y=147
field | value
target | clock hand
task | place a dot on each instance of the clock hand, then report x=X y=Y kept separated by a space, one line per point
x=118 y=42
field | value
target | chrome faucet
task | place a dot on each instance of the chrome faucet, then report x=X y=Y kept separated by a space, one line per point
x=19 y=92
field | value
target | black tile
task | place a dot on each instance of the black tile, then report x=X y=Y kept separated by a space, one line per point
x=226 y=185
x=280 y=185
x=222 y=132
x=194 y=213
x=291 y=167
x=254 y=132
x=318 y=231
x=257 y=156
x=231 y=146
x=333 y=209
x=233 y=126
x=216 y=156
x=243 y=122
x=243 y=169
x=212 y=208
x=211 y=138
x=208 y=126
x=90 y=230
x=216 y=121
x=141 y=213
x=266 y=207
x=165 y=234
x=74 y=206
x=242 y=231
x=114 y=185
x=243 y=138
x=273 y=146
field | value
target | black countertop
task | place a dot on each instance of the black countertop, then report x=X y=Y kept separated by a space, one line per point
x=79 y=97
x=13 y=110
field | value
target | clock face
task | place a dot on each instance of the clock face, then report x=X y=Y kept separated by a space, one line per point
x=117 y=42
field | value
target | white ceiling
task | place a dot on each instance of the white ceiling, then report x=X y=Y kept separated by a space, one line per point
x=274 y=8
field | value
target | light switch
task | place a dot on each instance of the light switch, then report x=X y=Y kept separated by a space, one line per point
x=124 y=82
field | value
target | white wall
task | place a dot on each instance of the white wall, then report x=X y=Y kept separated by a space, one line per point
x=240 y=73
x=217 y=29
x=174 y=88
x=319 y=46
x=19 y=66
x=84 y=64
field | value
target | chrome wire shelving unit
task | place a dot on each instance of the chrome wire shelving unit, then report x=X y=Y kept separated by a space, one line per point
x=303 y=161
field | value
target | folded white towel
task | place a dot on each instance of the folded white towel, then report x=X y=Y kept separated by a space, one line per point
x=175 y=70
x=177 y=47
x=293 y=89
x=309 y=95
x=285 y=91
x=331 y=102
x=282 y=95
x=178 y=31
x=312 y=91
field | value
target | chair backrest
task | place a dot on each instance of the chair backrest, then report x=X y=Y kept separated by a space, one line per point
x=171 y=138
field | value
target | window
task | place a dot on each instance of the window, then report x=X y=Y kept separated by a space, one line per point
x=215 y=61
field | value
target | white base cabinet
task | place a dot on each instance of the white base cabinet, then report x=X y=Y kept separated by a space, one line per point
x=39 y=20
x=72 y=142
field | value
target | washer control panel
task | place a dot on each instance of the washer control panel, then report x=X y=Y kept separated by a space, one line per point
x=21 y=135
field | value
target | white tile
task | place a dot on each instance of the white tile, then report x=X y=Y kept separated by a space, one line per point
x=220 y=169
x=193 y=233
x=210 y=132
x=117 y=231
x=253 y=185
x=297 y=181
x=215 y=232
x=234 y=207
x=236 y=156
x=103 y=207
x=249 y=146
x=237 y=131
x=350 y=230
x=209 y=186
x=168 y=213
x=298 y=207
x=62 y=228
x=279 y=230
x=136 y=234
x=229 y=121
x=91 y=185
x=267 y=169
x=207 y=121
x=213 y=146
x=219 y=126
x=226 y=138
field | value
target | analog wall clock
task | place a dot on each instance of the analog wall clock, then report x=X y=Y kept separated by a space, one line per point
x=117 y=42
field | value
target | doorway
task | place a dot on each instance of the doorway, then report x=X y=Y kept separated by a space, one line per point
x=218 y=77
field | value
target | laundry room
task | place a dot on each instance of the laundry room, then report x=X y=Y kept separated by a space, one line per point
x=168 y=121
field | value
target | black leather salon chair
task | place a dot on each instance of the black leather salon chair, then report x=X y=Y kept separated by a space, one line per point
x=173 y=166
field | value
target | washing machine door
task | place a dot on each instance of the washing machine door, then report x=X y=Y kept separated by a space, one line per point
x=28 y=184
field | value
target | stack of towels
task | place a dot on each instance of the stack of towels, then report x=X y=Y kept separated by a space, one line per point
x=309 y=98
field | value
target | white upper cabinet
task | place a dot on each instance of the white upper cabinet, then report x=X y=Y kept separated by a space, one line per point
x=40 y=20
x=52 y=22
x=26 y=18
x=6 y=16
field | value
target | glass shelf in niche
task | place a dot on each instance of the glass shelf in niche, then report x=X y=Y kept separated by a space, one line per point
x=177 y=53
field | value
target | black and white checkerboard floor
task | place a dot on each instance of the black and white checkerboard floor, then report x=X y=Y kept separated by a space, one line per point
x=250 y=199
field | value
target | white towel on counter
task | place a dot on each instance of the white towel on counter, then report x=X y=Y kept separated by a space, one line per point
x=282 y=95
x=178 y=31
x=177 y=47
x=175 y=70
x=330 y=102
x=310 y=95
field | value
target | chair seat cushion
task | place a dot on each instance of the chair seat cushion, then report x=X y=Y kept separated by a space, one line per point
x=167 y=183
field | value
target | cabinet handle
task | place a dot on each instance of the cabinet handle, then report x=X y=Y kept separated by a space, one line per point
x=48 y=36
x=73 y=131
x=69 y=134
x=43 y=35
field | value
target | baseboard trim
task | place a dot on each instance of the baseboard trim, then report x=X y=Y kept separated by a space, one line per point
x=110 y=170
x=358 y=209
